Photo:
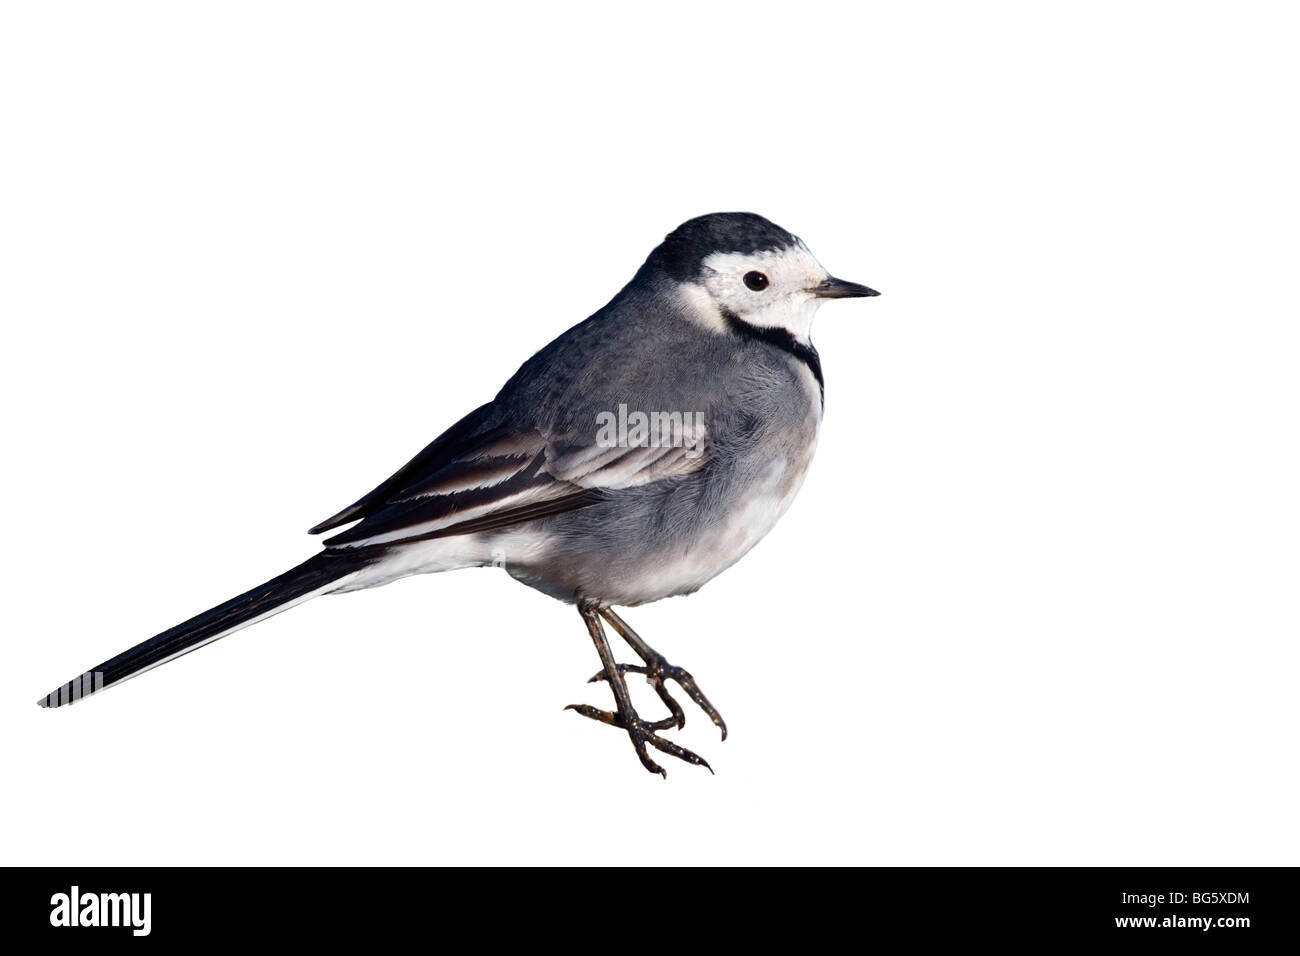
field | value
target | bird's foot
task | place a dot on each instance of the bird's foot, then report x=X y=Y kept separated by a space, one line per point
x=643 y=732
x=657 y=671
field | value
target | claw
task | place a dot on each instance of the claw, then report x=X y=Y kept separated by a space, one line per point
x=656 y=675
x=595 y=713
x=643 y=732
x=648 y=763
x=658 y=667
x=678 y=718
x=687 y=683
x=681 y=753
x=640 y=731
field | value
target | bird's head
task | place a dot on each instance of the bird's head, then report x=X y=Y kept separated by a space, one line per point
x=738 y=265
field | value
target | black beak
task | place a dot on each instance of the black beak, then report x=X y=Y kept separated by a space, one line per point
x=834 y=288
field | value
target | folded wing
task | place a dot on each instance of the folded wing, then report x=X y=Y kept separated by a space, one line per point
x=470 y=479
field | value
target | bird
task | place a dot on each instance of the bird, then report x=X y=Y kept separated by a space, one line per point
x=637 y=456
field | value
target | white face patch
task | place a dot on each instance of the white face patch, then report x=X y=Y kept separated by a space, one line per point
x=784 y=302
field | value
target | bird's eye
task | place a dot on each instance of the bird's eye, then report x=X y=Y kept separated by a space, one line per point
x=756 y=281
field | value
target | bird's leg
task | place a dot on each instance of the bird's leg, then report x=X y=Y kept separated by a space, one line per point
x=657 y=670
x=625 y=716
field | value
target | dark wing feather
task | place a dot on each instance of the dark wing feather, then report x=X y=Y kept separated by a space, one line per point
x=479 y=478
x=503 y=518
x=419 y=516
x=436 y=454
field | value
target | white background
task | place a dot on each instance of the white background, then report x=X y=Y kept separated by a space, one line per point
x=1035 y=604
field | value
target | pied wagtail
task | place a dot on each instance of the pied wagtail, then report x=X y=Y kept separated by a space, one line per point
x=635 y=457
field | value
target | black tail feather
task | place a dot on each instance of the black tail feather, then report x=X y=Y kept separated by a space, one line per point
x=312 y=575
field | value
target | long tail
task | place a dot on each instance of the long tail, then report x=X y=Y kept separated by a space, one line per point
x=313 y=577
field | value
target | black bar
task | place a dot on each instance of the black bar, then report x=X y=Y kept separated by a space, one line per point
x=1231 y=907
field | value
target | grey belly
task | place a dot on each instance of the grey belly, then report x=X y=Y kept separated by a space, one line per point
x=660 y=540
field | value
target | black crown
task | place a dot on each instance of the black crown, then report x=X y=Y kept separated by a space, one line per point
x=687 y=246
